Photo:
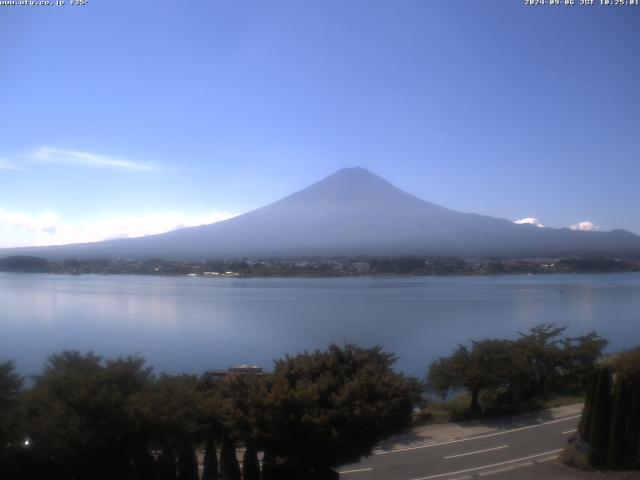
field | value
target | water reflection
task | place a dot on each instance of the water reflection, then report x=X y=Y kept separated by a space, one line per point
x=192 y=324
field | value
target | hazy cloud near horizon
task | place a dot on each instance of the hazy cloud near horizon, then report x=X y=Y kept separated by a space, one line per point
x=79 y=158
x=19 y=229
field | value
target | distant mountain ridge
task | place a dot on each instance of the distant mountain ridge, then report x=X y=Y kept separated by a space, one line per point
x=351 y=212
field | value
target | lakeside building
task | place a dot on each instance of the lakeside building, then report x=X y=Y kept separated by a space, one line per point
x=237 y=370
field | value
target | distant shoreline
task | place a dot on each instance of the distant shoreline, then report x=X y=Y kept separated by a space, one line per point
x=324 y=267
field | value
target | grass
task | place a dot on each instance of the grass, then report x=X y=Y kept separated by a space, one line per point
x=457 y=409
x=573 y=458
x=563 y=400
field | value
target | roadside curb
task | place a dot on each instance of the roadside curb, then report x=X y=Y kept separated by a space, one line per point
x=422 y=437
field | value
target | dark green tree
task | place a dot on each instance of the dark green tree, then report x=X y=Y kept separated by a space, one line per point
x=618 y=424
x=581 y=356
x=229 y=467
x=167 y=469
x=489 y=364
x=541 y=349
x=79 y=414
x=187 y=463
x=169 y=413
x=610 y=422
x=240 y=403
x=144 y=466
x=601 y=415
x=210 y=471
x=584 y=428
x=24 y=263
x=10 y=441
x=250 y=465
x=332 y=407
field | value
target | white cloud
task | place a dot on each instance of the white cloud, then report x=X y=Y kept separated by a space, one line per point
x=19 y=229
x=87 y=159
x=529 y=221
x=7 y=165
x=586 y=226
x=30 y=224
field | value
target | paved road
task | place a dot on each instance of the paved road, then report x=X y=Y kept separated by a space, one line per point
x=465 y=457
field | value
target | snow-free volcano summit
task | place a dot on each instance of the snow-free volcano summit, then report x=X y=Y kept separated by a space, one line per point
x=351 y=212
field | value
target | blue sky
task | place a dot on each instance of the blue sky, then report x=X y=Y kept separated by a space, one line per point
x=125 y=118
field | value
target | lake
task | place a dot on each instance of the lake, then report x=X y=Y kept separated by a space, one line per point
x=186 y=324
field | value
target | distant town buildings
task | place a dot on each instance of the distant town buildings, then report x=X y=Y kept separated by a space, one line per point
x=323 y=267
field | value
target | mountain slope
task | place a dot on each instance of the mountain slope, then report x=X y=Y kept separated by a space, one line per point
x=352 y=212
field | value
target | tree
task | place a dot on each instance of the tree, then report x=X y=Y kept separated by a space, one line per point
x=24 y=263
x=187 y=463
x=79 y=414
x=324 y=409
x=240 y=401
x=610 y=423
x=10 y=388
x=210 y=471
x=169 y=413
x=599 y=428
x=542 y=352
x=489 y=364
x=144 y=466
x=250 y=465
x=167 y=469
x=538 y=363
x=229 y=468
x=581 y=355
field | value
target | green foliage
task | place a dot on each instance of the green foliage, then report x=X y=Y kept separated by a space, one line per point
x=168 y=411
x=250 y=465
x=79 y=414
x=580 y=357
x=611 y=419
x=229 y=467
x=584 y=428
x=10 y=388
x=167 y=469
x=489 y=364
x=10 y=385
x=144 y=466
x=538 y=364
x=543 y=356
x=618 y=423
x=324 y=409
x=555 y=364
x=240 y=400
x=599 y=428
x=91 y=418
x=210 y=471
x=627 y=363
x=187 y=464
x=24 y=263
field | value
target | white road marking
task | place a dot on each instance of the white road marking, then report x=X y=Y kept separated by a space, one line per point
x=477 y=451
x=497 y=470
x=439 y=475
x=467 y=439
x=356 y=471
x=569 y=431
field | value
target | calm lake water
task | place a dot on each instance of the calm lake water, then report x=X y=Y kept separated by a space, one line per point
x=185 y=324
